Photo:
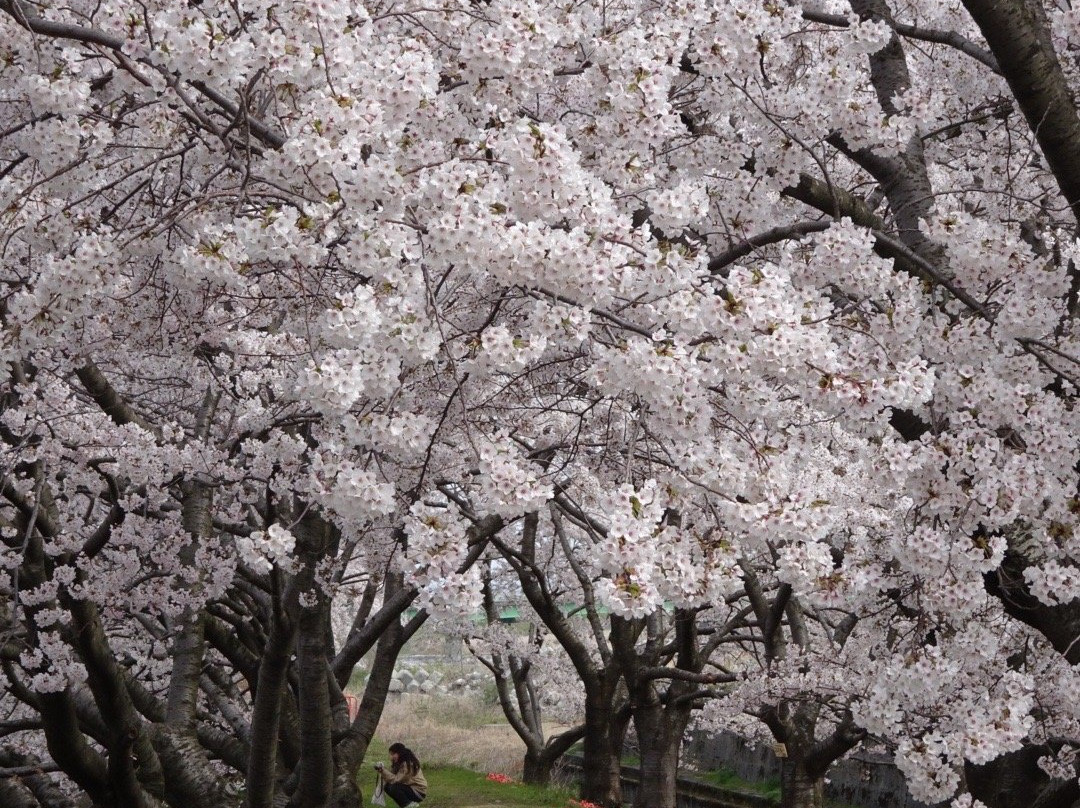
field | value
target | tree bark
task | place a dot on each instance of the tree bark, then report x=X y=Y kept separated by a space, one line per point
x=660 y=735
x=190 y=643
x=1060 y=624
x=537 y=767
x=798 y=787
x=540 y=763
x=135 y=773
x=660 y=707
x=316 y=757
x=15 y=794
x=31 y=789
x=1018 y=34
x=188 y=650
x=266 y=712
x=190 y=780
x=602 y=751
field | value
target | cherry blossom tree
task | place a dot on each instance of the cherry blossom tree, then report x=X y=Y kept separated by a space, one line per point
x=306 y=303
x=531 y=676
x=179 y=513
x=550 y=576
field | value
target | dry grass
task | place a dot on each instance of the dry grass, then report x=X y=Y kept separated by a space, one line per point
x=451 y=731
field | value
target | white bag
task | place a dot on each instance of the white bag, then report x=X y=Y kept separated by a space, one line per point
x=378 y=797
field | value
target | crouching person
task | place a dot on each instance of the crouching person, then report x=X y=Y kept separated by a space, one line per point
x=404 y=782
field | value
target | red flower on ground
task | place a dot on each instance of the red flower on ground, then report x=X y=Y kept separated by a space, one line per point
x=499 y=778
x=583 y=804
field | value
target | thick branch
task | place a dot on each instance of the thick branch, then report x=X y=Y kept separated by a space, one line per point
x=189 y=646
x=719 y=263
x=845 y=737
x=681 y=675
x=23 y=13
x=950 y=38
x=267 y=709
x=1018 y=33
x=535 y=590
x=106 y=397
x=1060 y=624
x=43 y=788
x=68 y=747
x=363 y=637
x=133 y=763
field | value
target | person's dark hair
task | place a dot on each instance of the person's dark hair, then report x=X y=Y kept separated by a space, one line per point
x=405 y=758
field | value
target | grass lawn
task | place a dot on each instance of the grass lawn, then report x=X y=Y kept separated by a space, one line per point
x=453 y=787
x=725 y=778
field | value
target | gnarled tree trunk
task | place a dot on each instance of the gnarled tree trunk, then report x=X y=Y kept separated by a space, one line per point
x=602 y=748
x=799 y=788
x=660 y=734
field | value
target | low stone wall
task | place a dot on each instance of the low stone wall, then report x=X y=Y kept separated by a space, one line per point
x=858 y=781
x=418 y=678
x=861 y=779
x=691 y=794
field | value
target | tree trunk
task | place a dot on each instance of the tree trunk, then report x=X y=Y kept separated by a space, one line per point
x=539 y=764
x=540 y=760
x=190 y=779
x=659 y=739
x=799 y=788
x=351 y=748
x=189 y=643
x=602 y=767
x=538 y=767
x=316 y=768
x=660 y=721
x=266 y=714
x=316 y=759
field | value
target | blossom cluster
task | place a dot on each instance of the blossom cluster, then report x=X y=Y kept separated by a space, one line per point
x=683 y=293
